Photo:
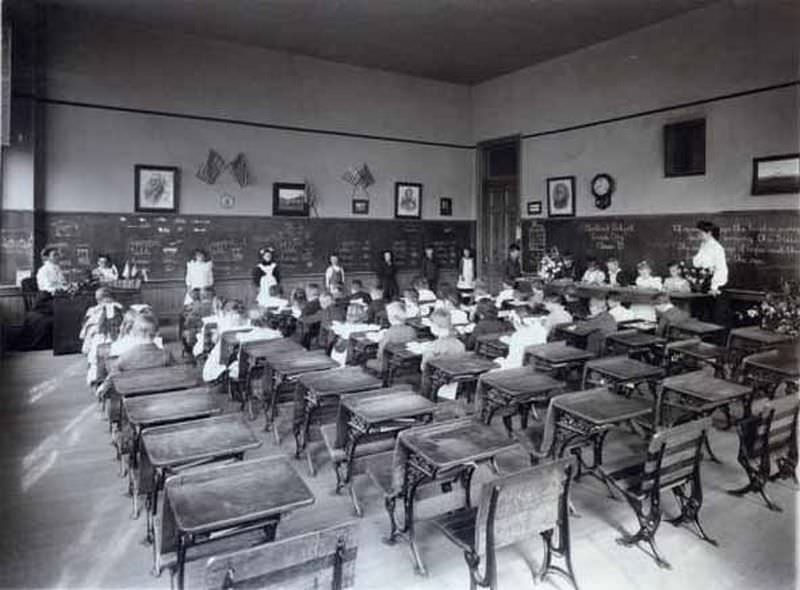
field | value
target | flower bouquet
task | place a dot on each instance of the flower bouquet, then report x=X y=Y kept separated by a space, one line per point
x=699 y=278
x=779 y=312
x=550 y=267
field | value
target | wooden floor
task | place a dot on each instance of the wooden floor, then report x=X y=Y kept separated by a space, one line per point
x=67 y=520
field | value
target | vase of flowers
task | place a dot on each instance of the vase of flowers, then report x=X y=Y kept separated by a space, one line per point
x=779 y=312
x=551 y=266
x=699 y=278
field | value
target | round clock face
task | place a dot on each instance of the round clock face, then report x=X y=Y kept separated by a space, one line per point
x=602 y=185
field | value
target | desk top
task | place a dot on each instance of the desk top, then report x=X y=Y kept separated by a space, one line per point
x=263 y=348
x=785 y=361
x=462 y=365
x=698 y=349
x=695 y=326
x=761 y=336
x=523 y=380
x=393 y=405
x=624 y=368
x=627 y=294
x=338 y=381
x=169 y=407
x=705 y=387
x=401 y=352
x=559 y=352
x=230 y=495
x=296 y=363
x=156 y=380
x=456 y=442
x=601 y=407
x=576 y=329
x=199 y=439
x=635 y=338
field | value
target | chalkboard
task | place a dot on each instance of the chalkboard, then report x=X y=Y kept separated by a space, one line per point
x=162 y=244
x=16 y=244
x=762 y=247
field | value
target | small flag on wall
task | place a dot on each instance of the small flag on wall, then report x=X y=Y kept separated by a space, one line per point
x=240 y=170
x=210 y=169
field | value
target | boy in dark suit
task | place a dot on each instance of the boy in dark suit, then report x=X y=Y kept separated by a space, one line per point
x=357 y=292
x=667 y=314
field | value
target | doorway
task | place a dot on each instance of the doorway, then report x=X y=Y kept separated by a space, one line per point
x=498 y=207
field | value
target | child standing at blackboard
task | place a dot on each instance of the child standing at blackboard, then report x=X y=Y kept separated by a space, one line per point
x=334 y=274
x=199 y=274
x=467 y=272
x=430 y=268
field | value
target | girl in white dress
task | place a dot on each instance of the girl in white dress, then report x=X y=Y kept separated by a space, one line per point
x=646 y=280
x=199 y=274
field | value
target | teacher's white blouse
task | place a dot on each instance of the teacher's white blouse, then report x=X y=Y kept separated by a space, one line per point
x=711 y=255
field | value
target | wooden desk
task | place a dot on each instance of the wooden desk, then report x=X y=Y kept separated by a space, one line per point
x=621 y=372
x=635 y=344
x=490 y=346
x=575 y=333
x=511 y=391
x=68 y=314
x=254 y=356
x=228 y=500
x=557 y=358
x=148 y=381
x=378 y=415
x=313 y=390
x=456 y=446
x=168 y=448
x=693 y=328
x=283 y=368
x=744 y=341
x=361 y=348
x=626 y=294
x=767 y=370
x=701 y=395
x=398 y=358
x=587 y=417
x=462 y=369
x=688 y=352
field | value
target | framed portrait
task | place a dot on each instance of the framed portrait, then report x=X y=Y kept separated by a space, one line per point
x=446 y=207
x=774 y=175
x=360 y=207
x=407 y=200
x=561 y=196
x=534 y=207
x=155 y=188
x=289 y=199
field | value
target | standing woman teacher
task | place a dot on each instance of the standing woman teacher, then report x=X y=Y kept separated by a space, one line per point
x=711 y=258
x=387 y=275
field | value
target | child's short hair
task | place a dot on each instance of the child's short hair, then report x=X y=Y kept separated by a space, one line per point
x=337 y=289
x=326 y=296
x=643 y=264
x=441 y=319
x=508 y=282
x=513 y=247
x=376 y=289
x=313 y=290
x=356 y=284
x=298 y=295
x=47 y=250
x=395 y=312
x=234 y=307
x=661 y=298
x=591 y=261
x=145 y=326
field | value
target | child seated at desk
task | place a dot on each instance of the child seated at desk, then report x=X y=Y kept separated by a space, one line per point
x=233 y=317
x=126 y=339
x=101 y=325
x=397 y=333
x=355 y=321
x=328 y=313
x=619 y=312
x=450 y=302
x=486 y=322
x=675 y=282
x=411 y=303
x=593 y=275
x=667 y=314
x=358 y=293
x=340 y=298
x=602 y=324
x=507 y=293
x=271 y=298
x=446 y=344
x=645 y=280
x=142 y=351
x=481 y=292
x=376 y=310
x=424 y=291
x=528 y=331
x=298 y=302
x=556 y=312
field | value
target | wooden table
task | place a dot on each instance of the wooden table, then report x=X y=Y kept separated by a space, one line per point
x=634 y=343
x=398 y=358
x=174 y=446
x=744 y=341
x=513 y=390
x=161 y=408
x=557 y=358
x=229 y=500
x=626 y=294
x=456 y=446
x=491 y=346
x=701 y=395
x=254 y=356
x=313 y=390
x=575 y=333
x=283 y=368
x=587 y=417
x=767 y=370
x=379 y=415
x=148 y=381
x=622 y=372
x=462 y=369
x=693 y=328
x=361 y=348
x=697 y=351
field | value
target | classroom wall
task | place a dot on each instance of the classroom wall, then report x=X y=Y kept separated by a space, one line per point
x=730 y=47
x=90 y=152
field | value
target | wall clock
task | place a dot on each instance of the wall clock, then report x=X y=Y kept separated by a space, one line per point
x=602 y=189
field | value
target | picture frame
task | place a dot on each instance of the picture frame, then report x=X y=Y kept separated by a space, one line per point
x=446 y=207
x=685 y=148
x=360 y=207
x=407 y=200
x=534 y=207
x=774 y=175
x=155 y=188
x=561 y=196
x=289 y=199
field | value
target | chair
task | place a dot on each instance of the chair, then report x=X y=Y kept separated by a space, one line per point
x=322 y=559
x=672 y=462
x=770 y=436
x=514 y=508
x=29 y=293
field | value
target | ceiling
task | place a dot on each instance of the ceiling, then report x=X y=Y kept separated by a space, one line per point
x=463 y=41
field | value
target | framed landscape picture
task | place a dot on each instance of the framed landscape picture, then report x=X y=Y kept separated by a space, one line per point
x=289 y=199
x=407 y=200
x=561 y=196
x=774 y=175
x=155 y=188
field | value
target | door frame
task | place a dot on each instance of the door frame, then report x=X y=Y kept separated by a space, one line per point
x=481 y=170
